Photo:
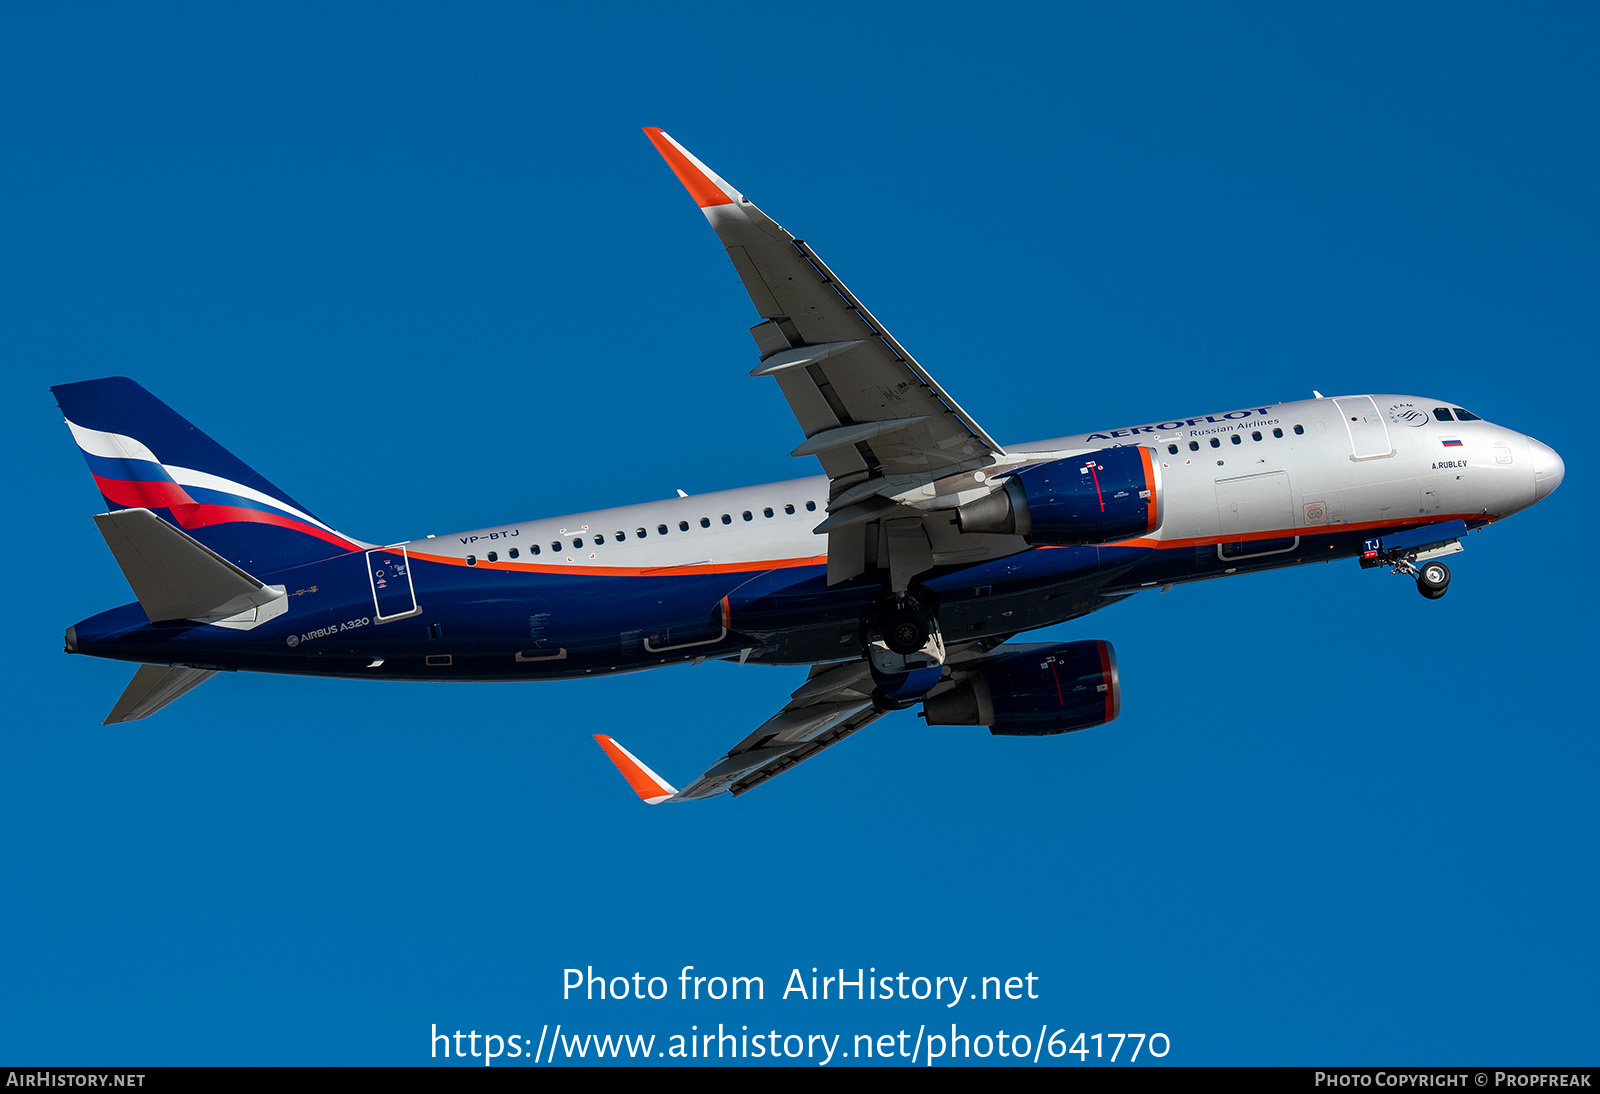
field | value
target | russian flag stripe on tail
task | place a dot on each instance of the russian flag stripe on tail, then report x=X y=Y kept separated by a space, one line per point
x=143 y=455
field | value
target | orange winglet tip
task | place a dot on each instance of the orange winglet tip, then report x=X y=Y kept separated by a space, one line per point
x=701 y=182
x=650 y=787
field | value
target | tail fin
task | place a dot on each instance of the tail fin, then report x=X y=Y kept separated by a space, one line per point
x=143 y=455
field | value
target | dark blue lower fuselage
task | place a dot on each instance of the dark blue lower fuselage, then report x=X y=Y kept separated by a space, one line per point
x=484 y=624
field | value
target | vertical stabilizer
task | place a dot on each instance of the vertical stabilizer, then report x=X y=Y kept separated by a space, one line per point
x=143 y=455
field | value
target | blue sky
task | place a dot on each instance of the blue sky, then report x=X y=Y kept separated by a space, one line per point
x=422 y=269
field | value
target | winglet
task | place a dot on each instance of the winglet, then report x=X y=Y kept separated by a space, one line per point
x=704 y=185
x=650 y=787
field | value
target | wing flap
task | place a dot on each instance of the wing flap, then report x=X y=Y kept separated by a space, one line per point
x=789 y=284
x=869 y=411
x=833 y=703
x=805 y=750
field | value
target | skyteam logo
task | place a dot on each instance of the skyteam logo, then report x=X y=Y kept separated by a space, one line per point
x=1408 y=414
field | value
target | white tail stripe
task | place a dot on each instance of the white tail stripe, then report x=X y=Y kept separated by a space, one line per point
x=109 y=446
x=116 y=446
x=185 y=476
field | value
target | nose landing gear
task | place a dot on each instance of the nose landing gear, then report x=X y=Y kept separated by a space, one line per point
x=1416 y=560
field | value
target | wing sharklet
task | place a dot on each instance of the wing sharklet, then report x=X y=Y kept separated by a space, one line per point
x=704 y=185
x=651 y=788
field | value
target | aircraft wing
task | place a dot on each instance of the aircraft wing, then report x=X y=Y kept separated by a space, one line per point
x=833 y=703
x=884 y=430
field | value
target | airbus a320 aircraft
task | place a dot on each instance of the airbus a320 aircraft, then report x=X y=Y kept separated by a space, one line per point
x=899 y=575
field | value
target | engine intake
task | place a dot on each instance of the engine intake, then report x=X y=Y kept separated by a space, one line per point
x=1099 y=497
x=1037 y=691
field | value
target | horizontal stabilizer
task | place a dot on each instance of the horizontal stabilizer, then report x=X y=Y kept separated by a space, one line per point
x=153 y=687
x=176 y=577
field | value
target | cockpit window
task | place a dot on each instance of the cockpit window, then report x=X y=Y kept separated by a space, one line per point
x=1466 y=416
x=1442 y=414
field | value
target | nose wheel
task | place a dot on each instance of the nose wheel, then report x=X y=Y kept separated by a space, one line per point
x=1419 y=561
x=1433 y=580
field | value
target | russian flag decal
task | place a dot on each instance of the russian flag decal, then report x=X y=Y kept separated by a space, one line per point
x=1452 y=443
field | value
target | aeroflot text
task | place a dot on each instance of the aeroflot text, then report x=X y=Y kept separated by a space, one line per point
x=846 y=984
x=1232 y=418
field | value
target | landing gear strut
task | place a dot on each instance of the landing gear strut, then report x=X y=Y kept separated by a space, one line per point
x=1420 y=562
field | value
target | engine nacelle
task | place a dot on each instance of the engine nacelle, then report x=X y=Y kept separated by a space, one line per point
x=1099 y=497
x=1037 y=691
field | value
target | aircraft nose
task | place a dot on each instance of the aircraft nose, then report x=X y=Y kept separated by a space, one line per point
x=1548 y=469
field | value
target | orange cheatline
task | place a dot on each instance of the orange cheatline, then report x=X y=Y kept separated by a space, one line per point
x=704 y=191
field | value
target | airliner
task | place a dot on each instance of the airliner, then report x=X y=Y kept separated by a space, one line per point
x=899 y=576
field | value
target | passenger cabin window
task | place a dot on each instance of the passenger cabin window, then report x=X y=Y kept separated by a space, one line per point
x=1172 y=449
x=534 y=549
x=1194 y=446
x=1256 y=436
x=747 y=514
x=640 y=532
x=767 y=512
x=1236 y=439
x=1277 y=433
x=577 y=545
x=494 y=556
x=683 y=526
x=811 y=506
x=705 y=522
x=513 y=552
x=1215 y=443
x=789 y=509
x=599 y=539
x=661 y=529
x=472 y=560
x=1466 y=416
x=726 y=519
x=1299 y=429
x=1442 y=414
x=556 y=547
